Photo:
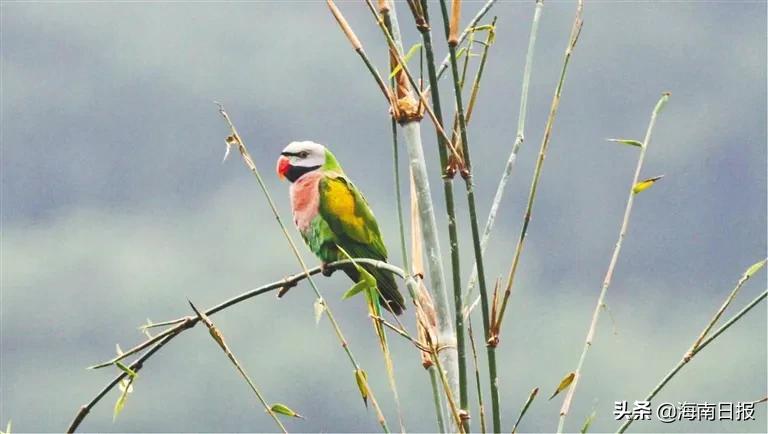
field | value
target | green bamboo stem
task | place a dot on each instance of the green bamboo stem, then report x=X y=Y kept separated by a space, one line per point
x=450 y=210
x=519 y=138
x=436 y=398
x=476 y=365
x=395 y=31
x=389 y=14
x=412 y=133
x=574 y=37
x=728 y=300
x=452 y=42
x=612 y=265
x=689 y=355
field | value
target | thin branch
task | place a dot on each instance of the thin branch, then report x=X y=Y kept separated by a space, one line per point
x=466 y=174
x=574 y=37
x=136 y=366
x=519 y=138
x=689 y=355
x=219 y=339
x=612 y=265
x=467 y=30
x=747 y=274
x=188 y=322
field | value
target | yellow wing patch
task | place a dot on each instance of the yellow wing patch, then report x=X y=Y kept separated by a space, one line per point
x=340 y=201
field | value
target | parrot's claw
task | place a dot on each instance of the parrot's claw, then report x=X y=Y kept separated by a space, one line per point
x=326 y=270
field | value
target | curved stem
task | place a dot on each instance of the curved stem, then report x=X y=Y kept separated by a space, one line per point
x=688 y=356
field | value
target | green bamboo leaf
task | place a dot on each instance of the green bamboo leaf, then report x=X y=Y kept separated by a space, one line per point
x=7 y=428
x=355 y=289
x=126 y=387
x=645 y=184
x=366 y=281
x=285 y=410
x=566 y=381
x=408 y=55
x=483 y=27
x=527 y=404
x=367 y=277
x=588 y=422
x=629 y=142
x=362 y=383
x=754 y=269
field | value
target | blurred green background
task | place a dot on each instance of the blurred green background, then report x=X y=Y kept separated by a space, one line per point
x=116 y=207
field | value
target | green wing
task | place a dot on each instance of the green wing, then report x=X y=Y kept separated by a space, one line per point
x=347 y=214
x=350 y=218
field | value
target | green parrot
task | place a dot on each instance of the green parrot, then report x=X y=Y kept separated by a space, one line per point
x=330 y=212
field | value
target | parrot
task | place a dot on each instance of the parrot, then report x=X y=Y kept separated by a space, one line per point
x=330 y=212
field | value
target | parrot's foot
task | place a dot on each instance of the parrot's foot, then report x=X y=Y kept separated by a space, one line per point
x=326 y=270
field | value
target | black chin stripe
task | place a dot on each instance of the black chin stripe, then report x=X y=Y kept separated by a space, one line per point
x=296 y=172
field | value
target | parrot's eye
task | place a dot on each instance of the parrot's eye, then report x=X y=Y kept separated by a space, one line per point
x=303 y=154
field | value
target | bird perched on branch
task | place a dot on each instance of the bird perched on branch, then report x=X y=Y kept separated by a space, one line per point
x=330 y=212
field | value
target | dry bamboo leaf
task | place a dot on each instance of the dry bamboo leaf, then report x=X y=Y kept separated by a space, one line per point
x=566 y=381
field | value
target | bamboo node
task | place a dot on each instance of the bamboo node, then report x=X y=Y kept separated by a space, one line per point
x=408 y=110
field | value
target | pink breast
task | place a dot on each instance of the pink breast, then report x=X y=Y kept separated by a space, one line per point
x=305 y=199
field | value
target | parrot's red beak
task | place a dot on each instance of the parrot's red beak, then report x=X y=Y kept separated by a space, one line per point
x=283 y=164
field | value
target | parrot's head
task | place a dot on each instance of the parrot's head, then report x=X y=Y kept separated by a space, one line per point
x=299 y=158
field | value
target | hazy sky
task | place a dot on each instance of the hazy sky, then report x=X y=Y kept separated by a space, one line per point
x=116 y=208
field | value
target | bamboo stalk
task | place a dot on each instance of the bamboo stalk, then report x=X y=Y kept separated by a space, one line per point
x=412 y=134
x=690 y=354
x=519 y=138
x=476 y=365
x=418 y=270
x=612 y=265
x=411 y=131
x=450 y=210
x=446 y=335
x=574 y=37
x=466 y=174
